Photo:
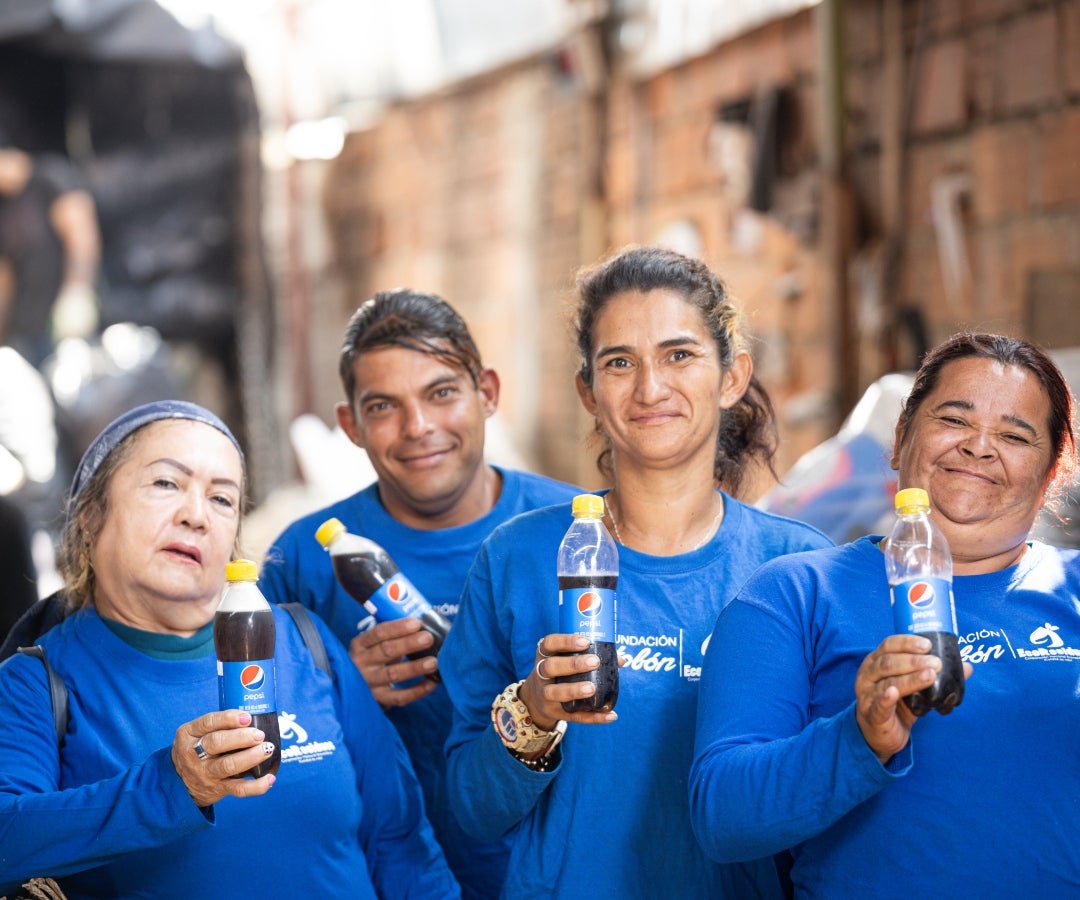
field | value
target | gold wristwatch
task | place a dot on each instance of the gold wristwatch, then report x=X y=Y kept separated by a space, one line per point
x=521 y=736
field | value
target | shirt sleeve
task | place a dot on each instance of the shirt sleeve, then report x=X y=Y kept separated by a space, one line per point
x=48 y=831
x=404 y=860
x=491 y=791
x=765 y=777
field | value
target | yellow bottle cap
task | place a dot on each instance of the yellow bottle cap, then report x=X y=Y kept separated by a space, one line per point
x=588 y=506
x=911 y=499
x=329 y=530
x=241 y=570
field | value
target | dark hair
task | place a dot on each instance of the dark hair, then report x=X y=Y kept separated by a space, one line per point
x=1008 y=351
x=748 y=429
x=411 y=319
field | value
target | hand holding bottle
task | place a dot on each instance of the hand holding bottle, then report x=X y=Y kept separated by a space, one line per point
x=382 y=655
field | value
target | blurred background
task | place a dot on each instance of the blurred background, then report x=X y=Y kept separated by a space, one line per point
x=868 y=176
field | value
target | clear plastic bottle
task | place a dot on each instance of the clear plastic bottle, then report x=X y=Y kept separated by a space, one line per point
x=588 y=573
x=366 y=571
x=244 y=634
x=919 y=569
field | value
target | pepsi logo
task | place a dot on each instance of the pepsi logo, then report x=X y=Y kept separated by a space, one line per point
x=252 y=677
x=921 y=595
x=397 y=592
x=589 y=604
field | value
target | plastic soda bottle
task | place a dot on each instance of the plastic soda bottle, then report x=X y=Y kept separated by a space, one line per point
x=370 y=576
x=588 y=573
x=244 y=634
x=919 y=568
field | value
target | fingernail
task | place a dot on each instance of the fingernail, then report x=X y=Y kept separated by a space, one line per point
x=581 y=641
x=592 y=659
x=429 y=664
x=273 y=779
x=611 y=716
x=268 y=748
x=245 y=718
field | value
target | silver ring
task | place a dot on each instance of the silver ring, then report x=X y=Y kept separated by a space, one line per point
x=540 y=674
x=200 y=750
x=543 y=655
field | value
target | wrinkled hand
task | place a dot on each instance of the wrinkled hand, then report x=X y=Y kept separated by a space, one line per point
x=379 y=654
x=900 y=666
x=558 y=655
x=233 y=747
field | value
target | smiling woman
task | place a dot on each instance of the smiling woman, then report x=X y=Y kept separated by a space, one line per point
x=683 y=421
x=143 y=795
x=808 y=748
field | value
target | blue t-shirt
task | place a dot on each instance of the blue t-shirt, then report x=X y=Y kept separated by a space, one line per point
x=109 y=816
x=613 y=819
x=981 y=803
x=297 y=568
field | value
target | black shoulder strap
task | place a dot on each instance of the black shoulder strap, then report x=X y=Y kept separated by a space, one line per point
x=32 y=624
x=310 y=634
x=57 y=691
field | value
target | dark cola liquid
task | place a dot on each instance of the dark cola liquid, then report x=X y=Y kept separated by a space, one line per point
x=362 y=575
x=249 y=635
x=606 y=677
x=947 y=691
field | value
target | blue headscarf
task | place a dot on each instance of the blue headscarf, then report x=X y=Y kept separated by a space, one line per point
x=130 y=422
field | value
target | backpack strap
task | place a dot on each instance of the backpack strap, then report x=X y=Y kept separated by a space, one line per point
x=310 y=634
x=57 y=691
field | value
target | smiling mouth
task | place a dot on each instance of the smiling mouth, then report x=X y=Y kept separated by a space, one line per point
x=424 y=458
x=975 y=476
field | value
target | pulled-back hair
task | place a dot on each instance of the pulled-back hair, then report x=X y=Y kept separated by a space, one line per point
x=1008 y=351
x=413 y=320
x=747 y=430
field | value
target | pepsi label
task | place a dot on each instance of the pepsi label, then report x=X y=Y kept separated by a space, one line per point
x=589 y=611
x=248 y=686
x=396 y=598
x=923 y=606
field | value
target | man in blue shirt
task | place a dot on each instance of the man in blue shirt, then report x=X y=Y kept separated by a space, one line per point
x=417 y=398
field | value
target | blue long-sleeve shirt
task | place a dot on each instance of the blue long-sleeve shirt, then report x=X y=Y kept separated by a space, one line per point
x=297 y=568
x=982 y=801
x=109 y=816
x=613 y=818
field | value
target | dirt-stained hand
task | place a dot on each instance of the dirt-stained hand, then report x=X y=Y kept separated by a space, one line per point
x=558 y=655
x=901 y=665
x=230 y=746
x=379 y=654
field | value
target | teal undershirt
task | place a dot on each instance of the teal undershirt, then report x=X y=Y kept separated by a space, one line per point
x=165 y=646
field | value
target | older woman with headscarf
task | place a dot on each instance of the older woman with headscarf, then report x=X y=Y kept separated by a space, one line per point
x=128 y=804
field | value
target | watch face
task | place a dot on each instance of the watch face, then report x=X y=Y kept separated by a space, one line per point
x=507 y=727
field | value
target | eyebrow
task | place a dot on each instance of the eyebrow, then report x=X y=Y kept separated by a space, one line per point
x=176 y=464
x=678 y=341
x=1015 y=421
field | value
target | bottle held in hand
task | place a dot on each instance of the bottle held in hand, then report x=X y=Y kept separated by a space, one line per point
x=244 y=634
x=366 y=571
x=588 y=573
x=919 y=568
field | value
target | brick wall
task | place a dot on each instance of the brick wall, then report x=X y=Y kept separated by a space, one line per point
x=493 y=192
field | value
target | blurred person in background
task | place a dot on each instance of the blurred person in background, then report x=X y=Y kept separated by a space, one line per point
x=50 y=253
x=18 y=574
x=417 y=398
x=685 y=425
x=132 y=804
x=803 y=739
